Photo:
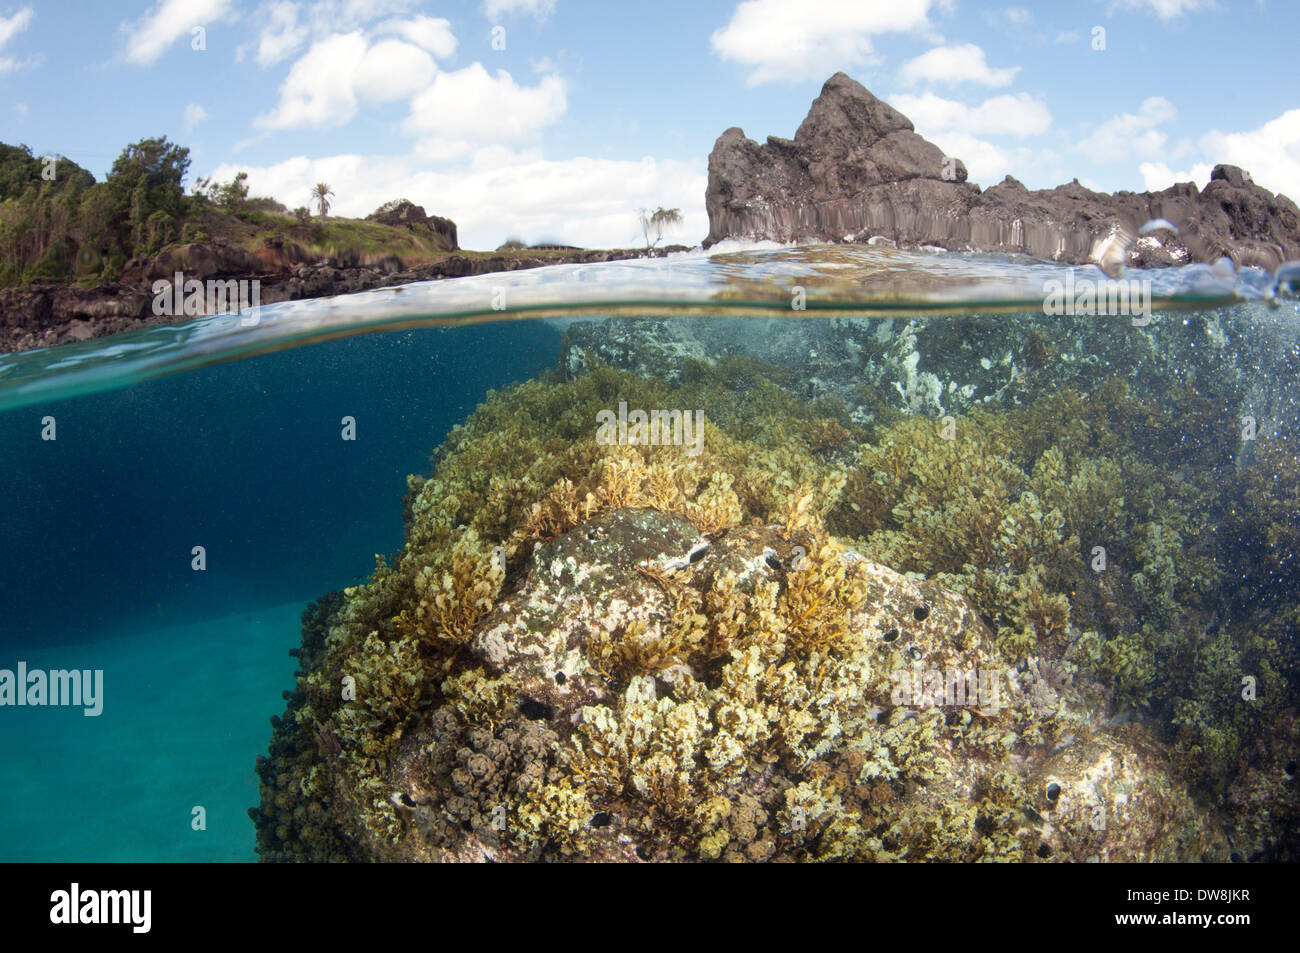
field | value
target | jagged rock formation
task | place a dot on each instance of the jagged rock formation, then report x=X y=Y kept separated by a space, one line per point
x=856 y=170
x=407 y=214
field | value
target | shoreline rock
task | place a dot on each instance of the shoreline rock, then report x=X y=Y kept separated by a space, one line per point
x=856 y=170
x=40 y=316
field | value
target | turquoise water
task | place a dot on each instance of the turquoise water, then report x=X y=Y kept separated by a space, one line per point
x=184 y=707
x=227 y=436
x=244 y=459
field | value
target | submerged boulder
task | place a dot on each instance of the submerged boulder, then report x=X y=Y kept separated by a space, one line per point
x=587 y=651
x=642 y=694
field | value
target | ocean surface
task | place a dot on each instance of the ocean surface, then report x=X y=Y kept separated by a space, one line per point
x=225 y=433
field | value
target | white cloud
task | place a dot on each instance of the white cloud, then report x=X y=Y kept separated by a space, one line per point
x=194 y=114
x=988 y=164
x=469 y=107
x=11 y=26
x=582 y=201
x=1271 y=153
x=21 y=110
x=1165 y=9
x=962 y=63
x=392 y=70
x=1018 y=115
x=1018 y=15
x=495 y=9
x=1157 y=176
x=318 y=90
x=288 y=25
x=428 y=33
x=809 y=39
x=282 y=33
x=166 y=23
x=325 y=86
x=1129 y=134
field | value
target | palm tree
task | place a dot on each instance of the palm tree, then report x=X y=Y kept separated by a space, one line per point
x=656 y=221
x=321 y=196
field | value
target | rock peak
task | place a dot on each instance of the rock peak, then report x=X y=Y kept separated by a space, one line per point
x=857 y=169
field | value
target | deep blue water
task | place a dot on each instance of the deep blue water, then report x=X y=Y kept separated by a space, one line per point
x=247 y=460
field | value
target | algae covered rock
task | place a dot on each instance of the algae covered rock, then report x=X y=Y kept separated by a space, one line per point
x=807 y=639
x=644 y=694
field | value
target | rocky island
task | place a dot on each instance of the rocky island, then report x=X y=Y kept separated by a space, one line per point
x=856 y=171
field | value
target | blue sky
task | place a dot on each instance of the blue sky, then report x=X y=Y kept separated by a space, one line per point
x=557 y=119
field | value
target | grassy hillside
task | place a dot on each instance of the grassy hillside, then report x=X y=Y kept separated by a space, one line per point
x=59 y=225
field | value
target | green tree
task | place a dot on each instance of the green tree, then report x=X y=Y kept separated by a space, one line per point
x=147 y=177
x=320 y=196
x=155 y=167
x=654 y=223
x=234 y=193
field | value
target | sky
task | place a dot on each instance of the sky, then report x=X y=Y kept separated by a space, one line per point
x=556 y=120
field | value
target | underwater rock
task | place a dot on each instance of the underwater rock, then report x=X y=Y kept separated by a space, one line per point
x=856 y=170
x=1244 y=357
x=773 y=699
x=586 y=650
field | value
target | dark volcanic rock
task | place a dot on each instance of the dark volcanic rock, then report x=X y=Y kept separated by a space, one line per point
x=48 y=315
x=856 y=170
x=408 y=215
x=854 y=165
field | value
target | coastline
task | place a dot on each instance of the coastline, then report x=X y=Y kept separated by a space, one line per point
x=39 y=316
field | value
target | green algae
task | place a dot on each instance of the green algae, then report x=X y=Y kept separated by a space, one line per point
x=771 y=752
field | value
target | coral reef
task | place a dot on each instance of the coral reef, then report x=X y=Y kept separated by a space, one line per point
x=811 y=641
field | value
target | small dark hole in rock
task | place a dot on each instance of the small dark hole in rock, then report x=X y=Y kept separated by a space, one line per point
x=643 y=852
x=772 y=560
x=535 y=710
x=406 y=799
x=921 y=613
x=1043 y=851
x=560 y=678
x=882 y=717
x=891 y=635
x=602 y=819
x=1053 y=791
x=1234 y=857
x=466 y=826
x=696 y=554
x=1290 y=769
